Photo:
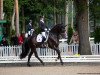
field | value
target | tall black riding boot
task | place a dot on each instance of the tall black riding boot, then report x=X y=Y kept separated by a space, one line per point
x=43 y=43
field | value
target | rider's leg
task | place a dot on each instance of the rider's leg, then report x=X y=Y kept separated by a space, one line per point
x=44 y=36
x=29 y=33
x=43 y=39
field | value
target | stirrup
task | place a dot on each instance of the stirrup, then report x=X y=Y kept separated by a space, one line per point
x=44 y=45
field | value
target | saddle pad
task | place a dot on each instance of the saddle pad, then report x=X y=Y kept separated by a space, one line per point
x=39 y=38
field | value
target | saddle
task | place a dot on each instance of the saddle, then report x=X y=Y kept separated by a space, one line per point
x=41 y=38
x=29 y=33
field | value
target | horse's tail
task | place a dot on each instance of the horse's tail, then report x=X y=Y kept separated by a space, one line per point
x=25 y=50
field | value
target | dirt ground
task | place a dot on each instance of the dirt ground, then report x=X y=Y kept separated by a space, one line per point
x=51 y=69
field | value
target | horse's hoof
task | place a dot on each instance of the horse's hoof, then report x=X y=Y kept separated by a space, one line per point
x=43 y=64
x=28 y=65
x=55 y=59
x=62 y=64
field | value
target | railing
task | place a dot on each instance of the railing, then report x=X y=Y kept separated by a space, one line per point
x=95 y=49
x=10 y=50
x=16 y=50
x=10 y=54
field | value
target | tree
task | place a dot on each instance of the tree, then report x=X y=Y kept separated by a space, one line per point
x=13 y=18
x=94 y=7
x=82 y=24
x=52 y=10
x=1 y=9
x=69 y=33
x=17 y=16
x=8 y=9
x=95 y=12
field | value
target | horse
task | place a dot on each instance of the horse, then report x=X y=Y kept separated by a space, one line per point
x=30 y=45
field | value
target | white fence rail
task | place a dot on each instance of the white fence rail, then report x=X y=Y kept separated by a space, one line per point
x=10 y=54
x=95 y=49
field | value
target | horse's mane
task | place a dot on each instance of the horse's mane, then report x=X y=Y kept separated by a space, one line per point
x=55 y=28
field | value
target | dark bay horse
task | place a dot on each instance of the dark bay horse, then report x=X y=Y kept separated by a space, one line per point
x=30 y=45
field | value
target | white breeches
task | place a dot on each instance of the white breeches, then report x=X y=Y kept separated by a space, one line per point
x=30 y=32
x=44 y=34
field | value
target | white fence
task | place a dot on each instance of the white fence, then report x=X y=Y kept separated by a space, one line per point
x=10 y=54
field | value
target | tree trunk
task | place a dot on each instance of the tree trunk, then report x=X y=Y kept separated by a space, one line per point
x=23 y=22
x=17 y=16
x=54 y=14
x=1 y=9
x=72 y=14
x=94 y=21
x=13 y=18
x=66 y=15
x=82 y=23
x=58 y=18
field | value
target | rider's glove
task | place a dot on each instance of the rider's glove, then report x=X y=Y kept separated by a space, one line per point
x=45 y=29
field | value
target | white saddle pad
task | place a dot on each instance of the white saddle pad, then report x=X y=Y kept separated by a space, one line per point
x=39 y=38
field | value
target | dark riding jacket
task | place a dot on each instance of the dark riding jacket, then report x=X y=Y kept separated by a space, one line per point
x=29 y=27
x=42 y=26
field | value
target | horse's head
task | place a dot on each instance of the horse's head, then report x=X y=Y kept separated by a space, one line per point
x=59 y=29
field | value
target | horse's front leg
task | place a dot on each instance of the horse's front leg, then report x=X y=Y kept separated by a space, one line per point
x=59 y=56
x=30 y=54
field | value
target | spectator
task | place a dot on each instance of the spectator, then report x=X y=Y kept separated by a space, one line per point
x=75 y=38
x=14 y=40
x=23 y=36
x=20 y=39
x=4 y=42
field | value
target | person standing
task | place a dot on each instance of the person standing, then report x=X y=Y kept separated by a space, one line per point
x=14 y=40
x=20 y=39
x=4 y=42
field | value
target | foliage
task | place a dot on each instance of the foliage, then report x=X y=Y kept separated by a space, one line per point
x=33 y=9
x=70 y=33
x=94 y=6
x=81 y=6
x=13 y=32
x=97 y=35
x=8 y=8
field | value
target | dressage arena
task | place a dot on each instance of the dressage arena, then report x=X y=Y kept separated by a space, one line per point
x=51 y=69
x=10 y=64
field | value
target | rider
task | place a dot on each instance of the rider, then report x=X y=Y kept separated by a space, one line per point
x=30 y=28
x=43 y=28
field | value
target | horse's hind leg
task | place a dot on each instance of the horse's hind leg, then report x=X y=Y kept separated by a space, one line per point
x=59 y=56
x=36 y=55
x=30 y=54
